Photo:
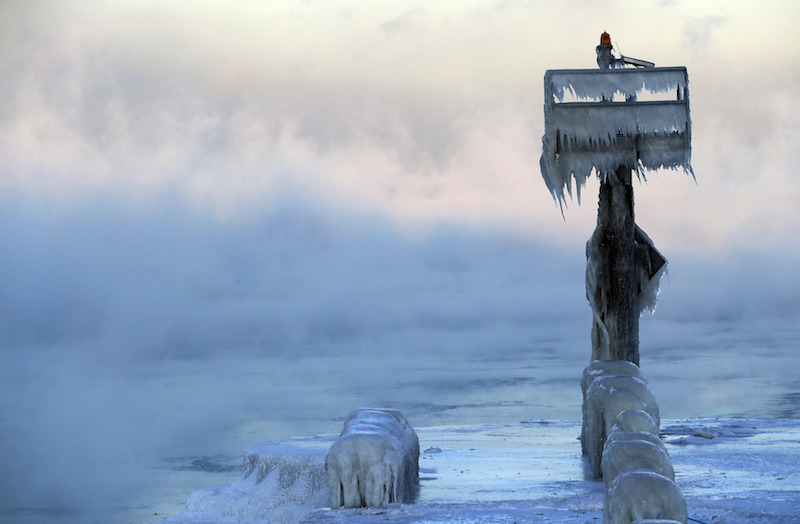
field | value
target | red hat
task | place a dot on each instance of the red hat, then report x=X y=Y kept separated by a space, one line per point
x=605 y=39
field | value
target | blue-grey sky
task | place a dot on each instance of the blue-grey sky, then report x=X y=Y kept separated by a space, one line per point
x=417 y=112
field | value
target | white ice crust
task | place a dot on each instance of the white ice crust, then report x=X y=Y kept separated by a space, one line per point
x=621 y=456
x=528 y=472
x=603 y=368
x=598 y=120
x=375 y=460
x=606 y=398
x=608 y=368
x=643 y=495
x=280 y=482
x=599 y=84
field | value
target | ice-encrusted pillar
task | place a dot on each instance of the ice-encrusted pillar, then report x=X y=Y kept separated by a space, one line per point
x=616 y=270
x=611 y=122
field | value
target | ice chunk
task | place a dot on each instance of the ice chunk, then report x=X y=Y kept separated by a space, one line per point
x=609 y=368
x=280 y=482
x=643 y=495
x=606 y=398
x=604 y=368
x=635 y=420
x=648 y=436
x=375 y=460
x=621 y=456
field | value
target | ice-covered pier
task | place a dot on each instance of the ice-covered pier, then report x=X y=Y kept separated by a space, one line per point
x=739 y=471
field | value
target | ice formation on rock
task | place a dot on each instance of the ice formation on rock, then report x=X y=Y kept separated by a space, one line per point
x=596 y=122
x=375 y=460
x=641 y=495
x=635 y=421
x=608 y=368
x=606 y=398
x=278 y=483
x=604 y=368
x=621 y=456
x=652 y=438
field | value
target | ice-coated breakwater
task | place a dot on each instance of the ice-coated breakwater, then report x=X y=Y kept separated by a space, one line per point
x=730 y=470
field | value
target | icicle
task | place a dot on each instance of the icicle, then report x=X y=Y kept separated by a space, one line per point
x=597 y=134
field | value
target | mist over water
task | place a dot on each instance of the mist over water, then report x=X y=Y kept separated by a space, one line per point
x=222 y=224
x=136 y=345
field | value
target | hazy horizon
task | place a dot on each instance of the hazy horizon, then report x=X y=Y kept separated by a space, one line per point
x=191 y=193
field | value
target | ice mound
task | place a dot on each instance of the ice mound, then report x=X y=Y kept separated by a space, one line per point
x=375 y=460
x=606 y=398
x=642 y=495
x=280 y=482
x=622 y=456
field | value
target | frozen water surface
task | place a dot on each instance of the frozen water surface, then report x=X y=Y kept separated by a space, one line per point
x=735 y=471
x=136 y=370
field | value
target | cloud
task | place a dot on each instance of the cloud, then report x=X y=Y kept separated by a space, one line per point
x=215 y=107
x=699 y=32
x=407 y=22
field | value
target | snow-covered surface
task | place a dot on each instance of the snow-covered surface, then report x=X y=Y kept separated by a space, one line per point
x=729 y=470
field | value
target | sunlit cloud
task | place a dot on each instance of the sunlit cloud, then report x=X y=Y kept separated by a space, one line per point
x=422 y=112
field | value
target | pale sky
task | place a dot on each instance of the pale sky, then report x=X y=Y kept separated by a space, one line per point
x=421 y=112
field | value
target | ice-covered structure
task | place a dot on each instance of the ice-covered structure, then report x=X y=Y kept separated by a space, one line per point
x=614 y=121
x=648 y=265
x=599 y=119
x=375 y=460
x=635 y=421
x=640 y=495
x=606 y=398
x=604 y=368
x=280 y=482
x=622 y=435
x=515 y=473
x=608 y=368
x=621 y=456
